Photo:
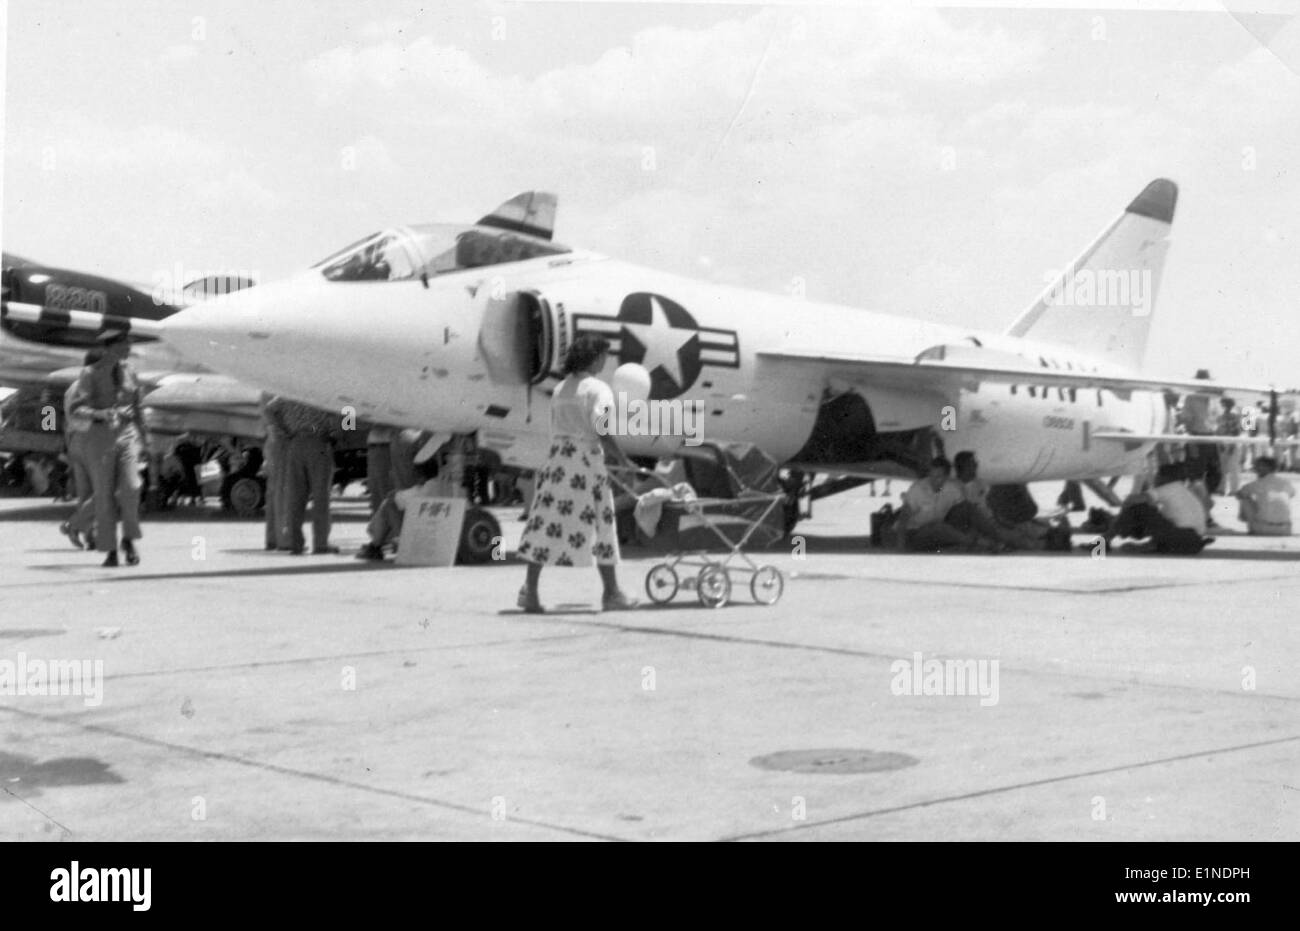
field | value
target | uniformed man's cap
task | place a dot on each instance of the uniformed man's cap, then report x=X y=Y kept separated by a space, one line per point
x=111 y=337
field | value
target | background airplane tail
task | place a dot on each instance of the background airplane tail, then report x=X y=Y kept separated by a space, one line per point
x=1101 y=304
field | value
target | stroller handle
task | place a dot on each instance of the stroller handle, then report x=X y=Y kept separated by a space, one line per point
x=624 y=477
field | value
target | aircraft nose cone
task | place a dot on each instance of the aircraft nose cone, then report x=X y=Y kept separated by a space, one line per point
x=220 y=331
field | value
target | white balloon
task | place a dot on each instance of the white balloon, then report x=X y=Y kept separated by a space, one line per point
x=632 y=380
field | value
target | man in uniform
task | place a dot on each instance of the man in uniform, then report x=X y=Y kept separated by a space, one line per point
x=107 y=393
x=76 y=428
x=310 y=471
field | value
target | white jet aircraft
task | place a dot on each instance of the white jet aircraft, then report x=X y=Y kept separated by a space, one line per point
x=463 y=329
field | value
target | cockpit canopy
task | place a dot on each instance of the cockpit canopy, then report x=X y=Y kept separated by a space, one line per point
x=432 y=249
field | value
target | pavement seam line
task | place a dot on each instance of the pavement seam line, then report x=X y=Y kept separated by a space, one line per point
x=64 y=828
x=998 y=790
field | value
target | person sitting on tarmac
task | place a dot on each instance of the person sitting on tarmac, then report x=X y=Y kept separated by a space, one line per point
x=1014 y=508
x=1169 y=514
x=972 y=514
x=1195 y=476
x=1266 y=502
x=385 y=527
x=925 y=506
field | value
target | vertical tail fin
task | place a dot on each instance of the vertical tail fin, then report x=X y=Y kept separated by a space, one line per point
x=532 y=212
x=1102 y=303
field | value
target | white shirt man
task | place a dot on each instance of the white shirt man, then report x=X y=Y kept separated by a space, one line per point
x=925 y=505
x=1177 y=503
x=1266 y=502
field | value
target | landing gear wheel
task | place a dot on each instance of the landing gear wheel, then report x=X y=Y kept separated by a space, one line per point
x=714 y=586
x=246 y=496
x=767 y=585
x=661 y=583
x=479 y=536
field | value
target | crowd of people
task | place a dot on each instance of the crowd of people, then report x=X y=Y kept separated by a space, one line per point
x=1169 y=510
x=950 y=508
x=943 y=512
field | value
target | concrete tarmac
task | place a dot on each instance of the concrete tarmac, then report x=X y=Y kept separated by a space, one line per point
x=253 y=695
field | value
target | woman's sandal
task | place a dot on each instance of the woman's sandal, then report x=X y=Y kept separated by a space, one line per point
x=619 y=602
x=531 y=605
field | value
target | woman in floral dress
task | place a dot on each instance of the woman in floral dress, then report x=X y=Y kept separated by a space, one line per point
x=571 y=519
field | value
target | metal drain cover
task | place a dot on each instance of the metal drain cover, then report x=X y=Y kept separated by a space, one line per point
x=834 y=762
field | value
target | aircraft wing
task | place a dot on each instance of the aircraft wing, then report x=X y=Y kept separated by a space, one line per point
x=201 y=402
x=196 y=390
x=945 y=376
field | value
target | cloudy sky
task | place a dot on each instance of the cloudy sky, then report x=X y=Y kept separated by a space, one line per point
x=920 y=161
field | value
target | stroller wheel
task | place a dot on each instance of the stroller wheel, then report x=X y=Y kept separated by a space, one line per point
x=714 y=586
x=767 y=585
x=661 y=583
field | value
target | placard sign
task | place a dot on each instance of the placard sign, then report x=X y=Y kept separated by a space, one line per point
x=431 y=532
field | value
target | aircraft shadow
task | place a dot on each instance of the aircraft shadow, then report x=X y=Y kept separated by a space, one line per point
x=1214 y=555
x=643 y=609
x=133 y=574
x=61 y=511
x=862 y=545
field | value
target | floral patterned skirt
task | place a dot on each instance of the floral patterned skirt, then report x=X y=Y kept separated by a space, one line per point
x=572 y=515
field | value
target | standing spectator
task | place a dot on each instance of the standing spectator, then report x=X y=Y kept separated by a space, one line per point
x=310 y=469
x=274 y=455
x=1266 y=425
x=1197 y=421
x=1230 y=454
x=108 y=393
x=572 y=517
x=83 y=519
x=1165 y=453
x=1291 y=455
x=1249 y=427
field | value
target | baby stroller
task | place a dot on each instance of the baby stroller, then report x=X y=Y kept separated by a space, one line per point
x=732 y=490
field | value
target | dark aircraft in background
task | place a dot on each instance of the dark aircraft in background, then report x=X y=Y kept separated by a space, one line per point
x=51 y=317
